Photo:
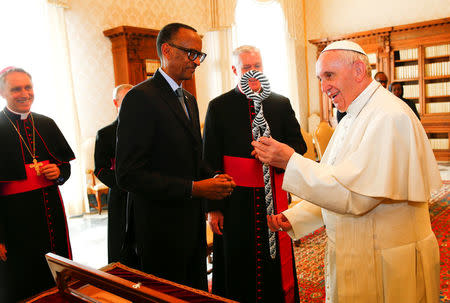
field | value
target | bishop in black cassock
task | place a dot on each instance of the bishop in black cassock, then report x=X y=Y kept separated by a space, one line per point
x=32 y=217
x=242 y=267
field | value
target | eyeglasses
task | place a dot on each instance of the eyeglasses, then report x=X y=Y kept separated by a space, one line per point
x=191 y=53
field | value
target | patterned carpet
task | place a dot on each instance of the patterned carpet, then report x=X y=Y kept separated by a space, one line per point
x=309 y=252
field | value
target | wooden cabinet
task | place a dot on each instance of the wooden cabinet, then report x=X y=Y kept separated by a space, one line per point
x=418 y=56
x=134 y=55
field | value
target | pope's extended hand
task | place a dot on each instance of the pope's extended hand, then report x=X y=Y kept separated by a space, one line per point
x=2 y=252
x=50 y=171
x=269 y=151
x=215 y=221
x=278 y=223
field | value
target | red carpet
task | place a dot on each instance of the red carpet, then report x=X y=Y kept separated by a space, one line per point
x=310 y=252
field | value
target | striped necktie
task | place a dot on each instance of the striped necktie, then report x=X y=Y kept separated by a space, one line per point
x=260 y=128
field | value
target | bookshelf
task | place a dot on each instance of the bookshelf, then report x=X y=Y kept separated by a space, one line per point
x=437 y=78
x=418 y=56
x=405 y=70
x=436 y=94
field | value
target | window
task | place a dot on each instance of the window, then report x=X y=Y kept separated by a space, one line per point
x=23 y=44
x=262 y=24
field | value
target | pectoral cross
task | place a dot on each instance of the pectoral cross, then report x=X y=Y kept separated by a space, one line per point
x=36 y=165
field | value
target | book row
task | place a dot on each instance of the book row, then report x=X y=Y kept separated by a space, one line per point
x=437 y=50
x=406 y=72
x=437 y=69
x=438 y=107
x=437 y=89
x=441 y=143
x=408 y=54
x=411 y=91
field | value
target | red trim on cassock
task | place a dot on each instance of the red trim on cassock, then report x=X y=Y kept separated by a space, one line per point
x=98 y=174
x=69 y=247
x=32 y=182
x=284 y=241
x=248 y=172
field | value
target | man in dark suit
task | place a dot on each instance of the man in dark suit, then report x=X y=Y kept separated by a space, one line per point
x=119 y=236
x=158 y=162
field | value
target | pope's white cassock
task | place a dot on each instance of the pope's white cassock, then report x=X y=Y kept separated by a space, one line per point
x=372 y=187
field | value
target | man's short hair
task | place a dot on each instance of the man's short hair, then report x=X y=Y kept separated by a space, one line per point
x=379 y=73
x=166 y=34
x=9 y=70
x=120 y=88
x=351 y=57
x=243 y=49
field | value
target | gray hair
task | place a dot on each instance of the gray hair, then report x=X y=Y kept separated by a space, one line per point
x=8 y=71
x=118 y=89
x=243 y=49
x=351 y=57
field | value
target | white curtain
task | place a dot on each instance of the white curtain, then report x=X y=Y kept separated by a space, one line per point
x=34 y=36
x=292 y=16
x=215 y=75
x=295 y=21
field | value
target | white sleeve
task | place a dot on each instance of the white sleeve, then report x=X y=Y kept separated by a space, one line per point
x=315 y=183
x=304 y=218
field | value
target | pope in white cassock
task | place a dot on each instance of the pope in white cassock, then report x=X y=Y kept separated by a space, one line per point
x=371 y=189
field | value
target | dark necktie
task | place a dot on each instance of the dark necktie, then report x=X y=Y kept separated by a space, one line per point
x=179 y=92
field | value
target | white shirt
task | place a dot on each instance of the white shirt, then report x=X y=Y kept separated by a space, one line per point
x=169 y=80
x=174 y=87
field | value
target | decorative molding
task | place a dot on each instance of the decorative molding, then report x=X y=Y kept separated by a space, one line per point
x=130 y=31
x=384 y=32
x=385 y=43
x=60 y=3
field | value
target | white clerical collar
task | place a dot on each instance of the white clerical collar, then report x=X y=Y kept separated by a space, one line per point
x=357 y=105
x=169 y=80
x=23 y=116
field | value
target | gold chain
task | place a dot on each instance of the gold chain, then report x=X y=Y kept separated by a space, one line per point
x=32 y=154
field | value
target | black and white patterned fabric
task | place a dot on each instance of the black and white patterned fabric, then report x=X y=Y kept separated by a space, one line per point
x=260 y=128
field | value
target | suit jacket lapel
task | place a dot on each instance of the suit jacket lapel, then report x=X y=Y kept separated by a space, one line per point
x=169 y=96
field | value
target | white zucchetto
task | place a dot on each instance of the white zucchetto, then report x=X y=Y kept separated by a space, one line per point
x=345 y=45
